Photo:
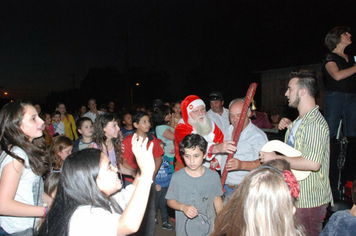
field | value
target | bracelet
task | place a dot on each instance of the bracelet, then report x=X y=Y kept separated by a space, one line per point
x=139 y=178
x=45 y=210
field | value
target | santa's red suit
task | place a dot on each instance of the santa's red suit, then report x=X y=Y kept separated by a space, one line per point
x=183 y=129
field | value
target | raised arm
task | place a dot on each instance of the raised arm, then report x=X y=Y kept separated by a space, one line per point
x=132 y=216
x=337 y=74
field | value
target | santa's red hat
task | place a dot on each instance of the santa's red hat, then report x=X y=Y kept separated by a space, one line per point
x=188 y=104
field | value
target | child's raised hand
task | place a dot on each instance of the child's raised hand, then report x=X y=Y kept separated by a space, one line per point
x=144 y=156
x=190 y=211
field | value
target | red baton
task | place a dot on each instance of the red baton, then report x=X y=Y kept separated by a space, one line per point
x=249 y=96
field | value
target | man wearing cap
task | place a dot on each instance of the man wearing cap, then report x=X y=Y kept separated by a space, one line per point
x=309 y=134
x=218 y=113
x=196 y=121
x=250 y=143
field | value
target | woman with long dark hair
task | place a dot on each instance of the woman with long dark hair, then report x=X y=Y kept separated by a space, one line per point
x=22 y=162
x=89 y=201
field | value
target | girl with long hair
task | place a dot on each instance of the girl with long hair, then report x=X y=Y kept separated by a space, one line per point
x=262 y=205
x=22 y=162
x=107 y=137
x=88 y=200
x=60 y=149
x=161 y=117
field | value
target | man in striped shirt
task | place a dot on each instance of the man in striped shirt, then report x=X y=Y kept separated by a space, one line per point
x=309 y=134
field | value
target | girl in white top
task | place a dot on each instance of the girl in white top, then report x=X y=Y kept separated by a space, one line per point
x=89 y=201
x=22 y=162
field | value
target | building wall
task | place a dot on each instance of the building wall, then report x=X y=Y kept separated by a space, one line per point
x=274 y=84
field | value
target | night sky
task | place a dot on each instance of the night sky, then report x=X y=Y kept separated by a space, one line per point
x=43 y=42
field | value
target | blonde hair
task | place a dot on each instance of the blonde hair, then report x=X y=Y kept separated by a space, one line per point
x=261 y=206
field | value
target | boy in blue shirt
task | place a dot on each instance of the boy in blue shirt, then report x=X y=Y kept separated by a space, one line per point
x=162 y=180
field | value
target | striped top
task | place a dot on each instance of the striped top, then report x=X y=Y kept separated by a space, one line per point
x=312 y=140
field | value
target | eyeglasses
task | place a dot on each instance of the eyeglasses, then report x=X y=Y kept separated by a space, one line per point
x=198 y=112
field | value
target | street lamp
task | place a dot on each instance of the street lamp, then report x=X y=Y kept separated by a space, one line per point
x=132 y=101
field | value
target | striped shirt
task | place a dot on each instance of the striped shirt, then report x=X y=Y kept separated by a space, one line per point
x=312 y=140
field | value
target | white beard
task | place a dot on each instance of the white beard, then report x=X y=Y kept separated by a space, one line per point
x=202 y=128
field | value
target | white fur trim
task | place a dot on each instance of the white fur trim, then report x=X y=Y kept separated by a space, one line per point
x=194 y=104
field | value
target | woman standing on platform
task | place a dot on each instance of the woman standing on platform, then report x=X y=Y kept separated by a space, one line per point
x=340 y=94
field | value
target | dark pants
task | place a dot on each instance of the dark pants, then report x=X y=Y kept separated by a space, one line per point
x=340 y=105
x=148 y=225
x=161 y=203
x=312 y=219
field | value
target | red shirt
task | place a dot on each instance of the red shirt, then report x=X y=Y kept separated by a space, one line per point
x=129 y=155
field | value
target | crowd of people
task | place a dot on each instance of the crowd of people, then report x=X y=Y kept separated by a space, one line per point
x=100 y=172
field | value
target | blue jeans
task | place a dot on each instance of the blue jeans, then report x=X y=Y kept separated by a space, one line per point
x=340 y=106
x=161 y=202
x=228 y=191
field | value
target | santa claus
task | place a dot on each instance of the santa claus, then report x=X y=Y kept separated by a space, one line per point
x=196 y=121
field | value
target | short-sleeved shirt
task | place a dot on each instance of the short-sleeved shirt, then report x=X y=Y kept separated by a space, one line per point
x=199 y=192
x=312 y=140
x=129 y=155
x=347 y=85
x=29 y=191
x=169 y=150
x=250 y=144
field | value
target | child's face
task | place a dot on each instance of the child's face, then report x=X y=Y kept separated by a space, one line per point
x=48 y=119
x=193 y=158
x=144 y=125
x=87 y=129
x=31 y=124
x=111 y=130
x=83 y=109
x=176 y=108
x=57 y=118
x=65 y=152
x=128 y=119
x=108 y=180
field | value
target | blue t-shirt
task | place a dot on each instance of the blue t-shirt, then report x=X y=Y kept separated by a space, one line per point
x=340 y=223
x=164 y=174
x=127 y=132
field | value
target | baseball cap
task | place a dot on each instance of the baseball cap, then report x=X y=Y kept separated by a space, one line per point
x=216 y=96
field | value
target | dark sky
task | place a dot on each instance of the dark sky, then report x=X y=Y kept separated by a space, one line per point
x=43 y=42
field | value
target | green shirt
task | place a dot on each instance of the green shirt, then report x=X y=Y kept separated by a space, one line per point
x=312 y=140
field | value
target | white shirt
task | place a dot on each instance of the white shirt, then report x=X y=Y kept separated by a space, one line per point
x=222 y=121
x=29 y=191
x=91 y=115
x=249 y=145
x=93 y=221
